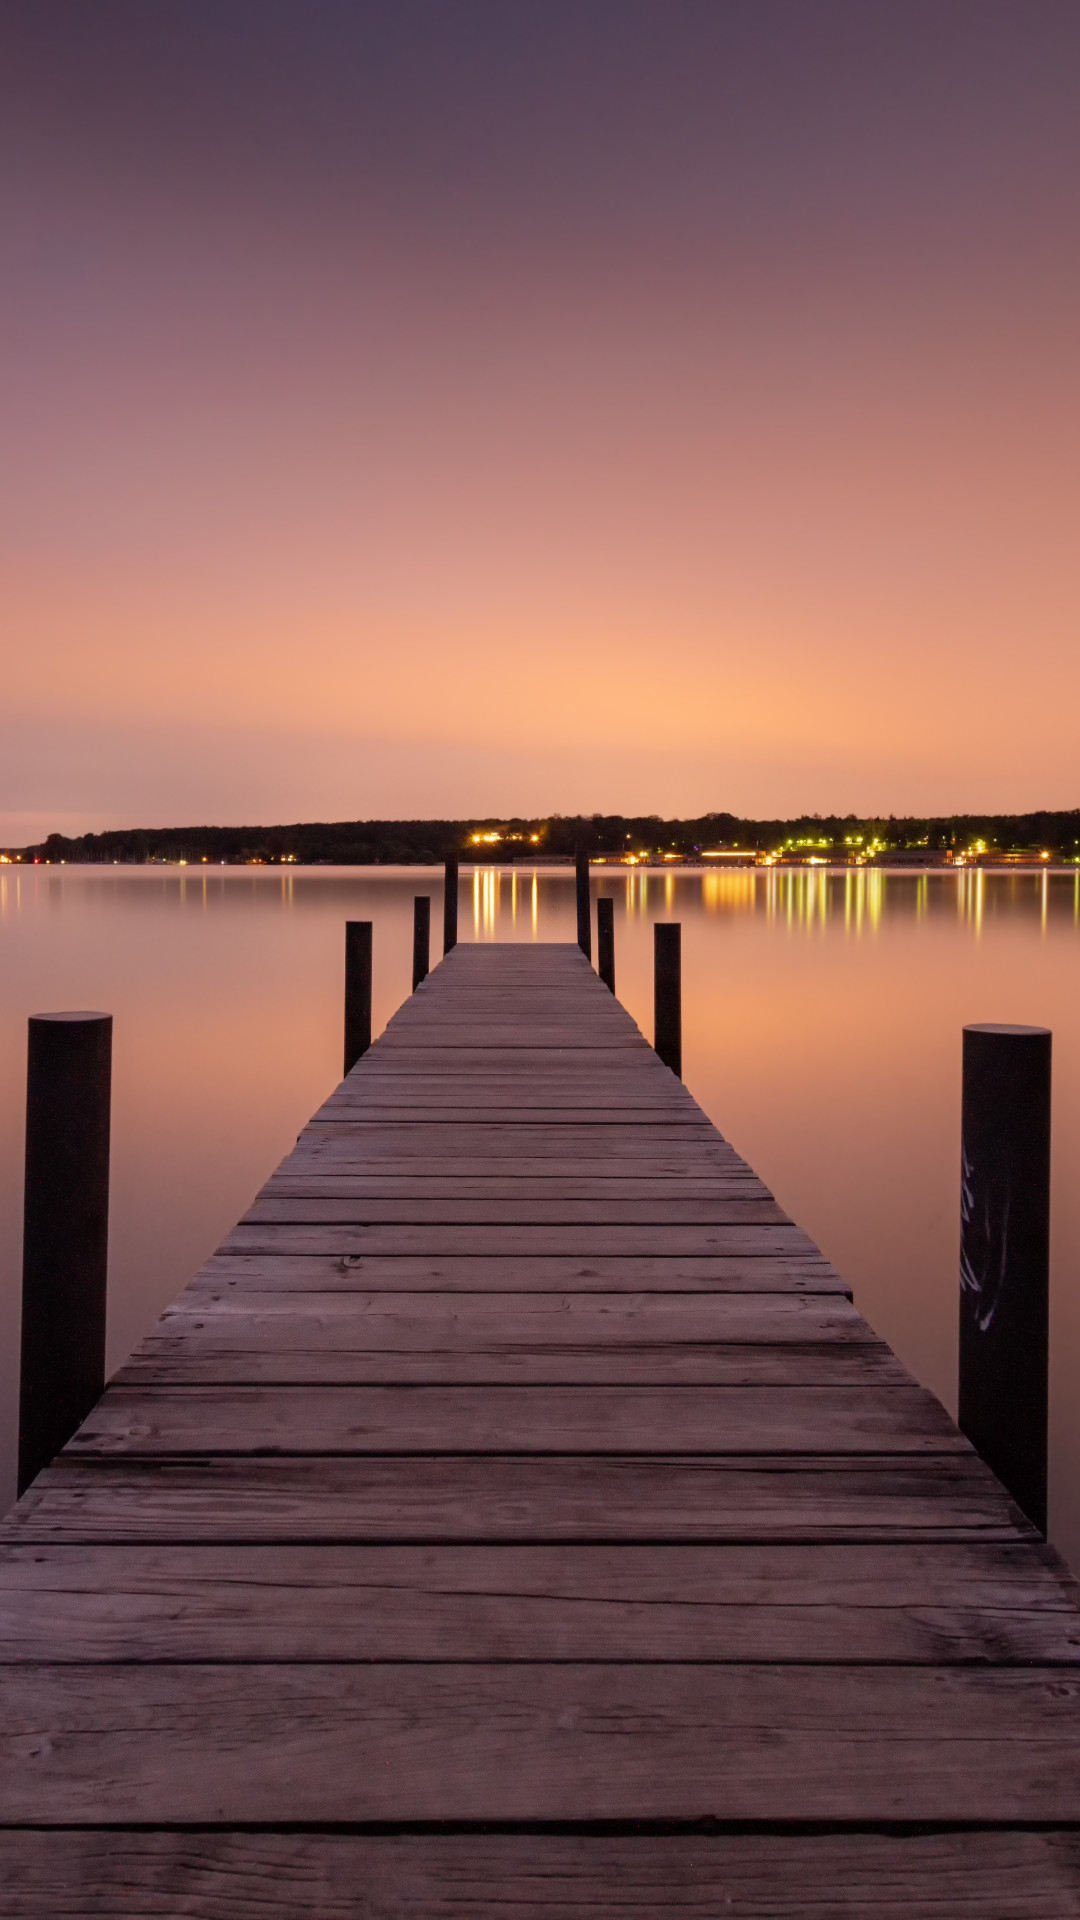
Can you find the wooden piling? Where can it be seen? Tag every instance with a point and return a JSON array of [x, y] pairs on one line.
[[1005, 1256], [421, 944], [605, 941], [65, 1231], [357, 990], [450, 904], [667, 993], [584, 906]]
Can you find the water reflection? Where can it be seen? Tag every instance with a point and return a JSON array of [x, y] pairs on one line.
[[822, 1018]]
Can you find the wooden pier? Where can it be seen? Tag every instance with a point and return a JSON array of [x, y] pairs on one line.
[[516, 1518]]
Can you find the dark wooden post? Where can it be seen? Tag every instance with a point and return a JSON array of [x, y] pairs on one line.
[[357, 990], [584, 911], [1005, 1256], [450, 905], [667, 993], [605, 942], [65, 1231], [421, 939]]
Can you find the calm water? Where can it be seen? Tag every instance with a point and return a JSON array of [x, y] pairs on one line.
[[822, 1018]]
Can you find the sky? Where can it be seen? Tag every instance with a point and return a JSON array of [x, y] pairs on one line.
[[480, 407]]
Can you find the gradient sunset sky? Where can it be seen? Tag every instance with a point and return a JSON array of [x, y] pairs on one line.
[[486, 406]]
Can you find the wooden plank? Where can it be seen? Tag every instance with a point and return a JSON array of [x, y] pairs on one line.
[[535, 1211], [541, 1090], [418, 1498], [976, 1875], [315, 1183], [1001, 1604], [356, 1169], [613, 1143], [485, 1032], [420, 1100], [581, 1321], [582, 1243], [278, 1743], [894, 1419], [252, 1337], [604, 1054], [267, 1350], [488, 1113], [801, 1274]]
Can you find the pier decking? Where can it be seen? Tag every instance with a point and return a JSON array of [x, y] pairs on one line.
[[516, 1517]]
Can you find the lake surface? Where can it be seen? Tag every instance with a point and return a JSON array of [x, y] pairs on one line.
[[822, 1019]]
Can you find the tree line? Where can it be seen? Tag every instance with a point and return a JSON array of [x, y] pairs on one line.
[[425, 842]]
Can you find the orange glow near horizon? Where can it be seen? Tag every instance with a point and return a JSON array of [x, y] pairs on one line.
[[754, 497]]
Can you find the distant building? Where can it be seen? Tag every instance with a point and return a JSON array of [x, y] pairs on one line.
[[805, 857], [913, 857], [1008, 857]]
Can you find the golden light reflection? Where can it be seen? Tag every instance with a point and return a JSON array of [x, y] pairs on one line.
[[491, 902], [875, 897]]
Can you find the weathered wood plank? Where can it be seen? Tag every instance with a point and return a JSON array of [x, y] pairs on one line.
[[457, 1032], [977, 1875], [466, 1179], [563, 1093], [535, 1211], [735, 1339], [800, 1274], [614, 1143], [264, 1352], [473, 1179], [414, 1055], [895, 1419], [589, 1321], [509, 1242], [418, 1498], [271, 1744], [991, 1604], [490, 1113]]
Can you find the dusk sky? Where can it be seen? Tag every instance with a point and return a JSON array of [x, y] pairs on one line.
[[482, 406]]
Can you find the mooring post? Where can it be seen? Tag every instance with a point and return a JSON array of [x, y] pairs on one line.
[[421, 939], [65, 1231], [667, 993], [450, 904], [357, 990], [1005, 1256], [605, 941], [584, 908]]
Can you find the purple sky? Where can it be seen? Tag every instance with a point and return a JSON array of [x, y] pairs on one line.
[[440, 407]]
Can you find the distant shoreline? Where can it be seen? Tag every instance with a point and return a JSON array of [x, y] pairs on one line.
[[538, 868], [716, 840]]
